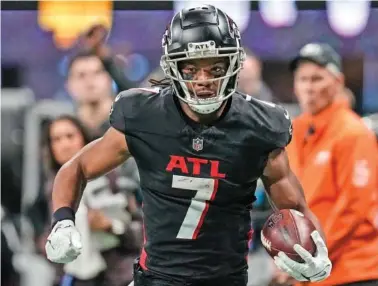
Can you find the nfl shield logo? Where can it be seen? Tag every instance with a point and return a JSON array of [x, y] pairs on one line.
[[197, 144]]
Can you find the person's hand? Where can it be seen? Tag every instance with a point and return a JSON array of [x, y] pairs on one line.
[[315, 268], [64, 242], [95, 40], [98, 220]]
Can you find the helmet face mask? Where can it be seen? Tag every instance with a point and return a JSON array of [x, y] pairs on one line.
[[222, 42]]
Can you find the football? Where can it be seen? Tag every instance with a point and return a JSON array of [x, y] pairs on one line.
[[285, 228]]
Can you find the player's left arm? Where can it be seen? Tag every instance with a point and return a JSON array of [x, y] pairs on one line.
[[285, 192], [283, 187]]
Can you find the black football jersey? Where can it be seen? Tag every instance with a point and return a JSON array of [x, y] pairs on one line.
[[197, 181]]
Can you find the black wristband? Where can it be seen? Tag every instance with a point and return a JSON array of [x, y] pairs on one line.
[[62, 214]]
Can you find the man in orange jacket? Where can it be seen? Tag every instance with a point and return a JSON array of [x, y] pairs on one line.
[[334, 155]]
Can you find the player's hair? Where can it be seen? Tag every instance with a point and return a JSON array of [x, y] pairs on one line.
[[165, 82], [51, 163], [82, 54]]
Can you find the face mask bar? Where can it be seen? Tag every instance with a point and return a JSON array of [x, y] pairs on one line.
[[170, 63]]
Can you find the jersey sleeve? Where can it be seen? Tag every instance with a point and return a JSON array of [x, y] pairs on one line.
[[130, 107], [275, 123], [117, 118], [284, 125], [126, 109]]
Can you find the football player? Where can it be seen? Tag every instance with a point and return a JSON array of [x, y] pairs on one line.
[[200, 147]]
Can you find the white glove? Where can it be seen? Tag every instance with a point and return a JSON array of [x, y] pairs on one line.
[[64, 242], [315, 268]]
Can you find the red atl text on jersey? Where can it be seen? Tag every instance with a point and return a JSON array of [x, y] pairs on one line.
[[182, 163]]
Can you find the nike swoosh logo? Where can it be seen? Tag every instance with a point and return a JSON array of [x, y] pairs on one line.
[[286, 114], [320, 274]]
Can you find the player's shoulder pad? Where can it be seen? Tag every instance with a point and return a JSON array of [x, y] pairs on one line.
[[135, 95], [273, 119], [128, 104], [132, 99]]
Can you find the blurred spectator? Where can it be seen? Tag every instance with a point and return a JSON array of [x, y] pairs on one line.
[[91, 88], [108, 217], [331, 141], [250, 80], [89, 80]]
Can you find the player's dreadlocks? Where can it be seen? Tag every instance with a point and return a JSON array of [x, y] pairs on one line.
[[165, 82]]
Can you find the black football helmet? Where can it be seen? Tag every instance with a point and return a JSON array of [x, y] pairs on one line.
[[202, 32]]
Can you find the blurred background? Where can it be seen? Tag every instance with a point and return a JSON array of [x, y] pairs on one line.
[[71, 58]]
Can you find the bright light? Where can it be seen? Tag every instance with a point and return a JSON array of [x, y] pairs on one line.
[[278, 13], [348, 18], [68, 19], [238, 11]]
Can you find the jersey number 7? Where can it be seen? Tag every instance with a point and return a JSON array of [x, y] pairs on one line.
[[206, 189]]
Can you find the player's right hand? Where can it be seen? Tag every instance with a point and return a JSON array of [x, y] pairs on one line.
[[64, 242]]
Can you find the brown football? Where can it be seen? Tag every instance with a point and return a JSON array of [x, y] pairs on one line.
[[285, 228]]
